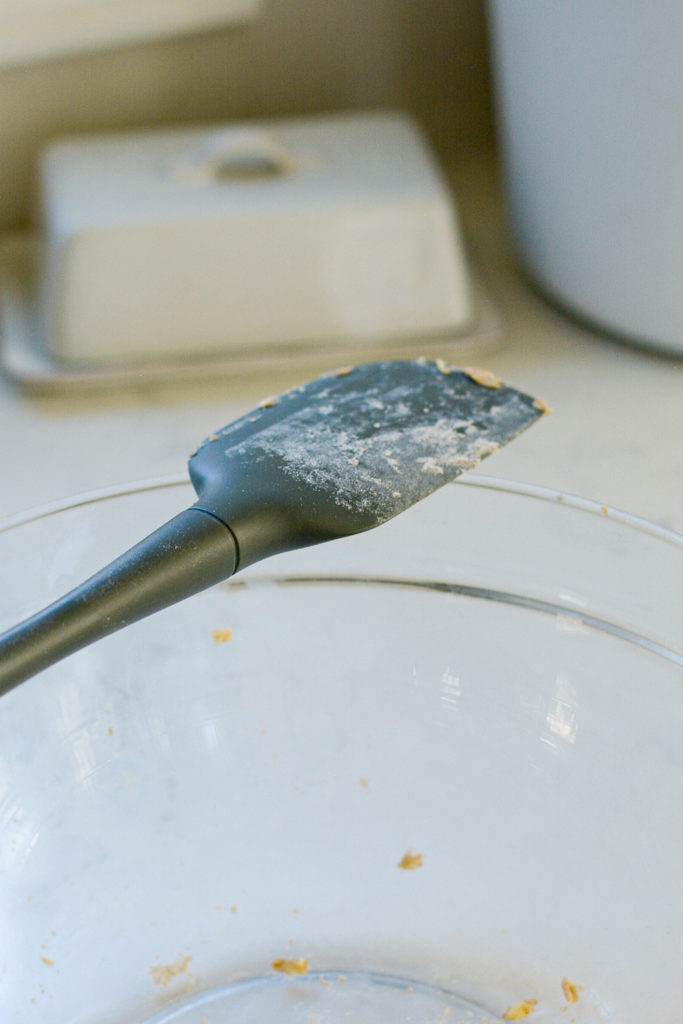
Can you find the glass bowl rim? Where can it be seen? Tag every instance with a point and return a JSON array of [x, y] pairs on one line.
[[478, 480]]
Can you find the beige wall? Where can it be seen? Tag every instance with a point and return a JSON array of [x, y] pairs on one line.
[[427, 56]]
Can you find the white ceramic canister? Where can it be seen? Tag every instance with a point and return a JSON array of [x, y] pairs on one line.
[[590, 106]]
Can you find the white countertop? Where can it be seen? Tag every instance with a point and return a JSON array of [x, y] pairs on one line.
[[615, 434]]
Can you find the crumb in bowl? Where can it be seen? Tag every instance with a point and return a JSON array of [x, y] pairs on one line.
[[222, 636], [410, 861], [164, 974], [292, 968], [571, 991], [520, 1011]]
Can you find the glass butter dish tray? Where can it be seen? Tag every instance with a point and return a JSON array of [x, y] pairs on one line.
[[26, 362]]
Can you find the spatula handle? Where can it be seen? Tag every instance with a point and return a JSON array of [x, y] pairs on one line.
[[191, 552]]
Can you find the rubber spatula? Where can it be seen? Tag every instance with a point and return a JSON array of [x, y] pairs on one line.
[[331, 458]]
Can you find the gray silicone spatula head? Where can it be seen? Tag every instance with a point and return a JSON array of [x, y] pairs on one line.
[[329, 459], [351, 450]]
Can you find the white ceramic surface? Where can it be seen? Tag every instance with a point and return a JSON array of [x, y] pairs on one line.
[[590, 103], [179, 814]]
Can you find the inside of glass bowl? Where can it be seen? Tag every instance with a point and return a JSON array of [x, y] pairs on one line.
[[462, 804]]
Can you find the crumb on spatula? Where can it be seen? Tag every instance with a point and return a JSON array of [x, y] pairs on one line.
[[486, 378]]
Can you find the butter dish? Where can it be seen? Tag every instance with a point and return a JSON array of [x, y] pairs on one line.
[[234, 239]]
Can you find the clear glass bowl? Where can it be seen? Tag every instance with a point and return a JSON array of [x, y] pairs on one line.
[[431, 773]]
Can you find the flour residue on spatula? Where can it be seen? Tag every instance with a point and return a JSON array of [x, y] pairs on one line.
[[382, 449]]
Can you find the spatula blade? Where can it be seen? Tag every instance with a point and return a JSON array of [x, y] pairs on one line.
[[354, 448]]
